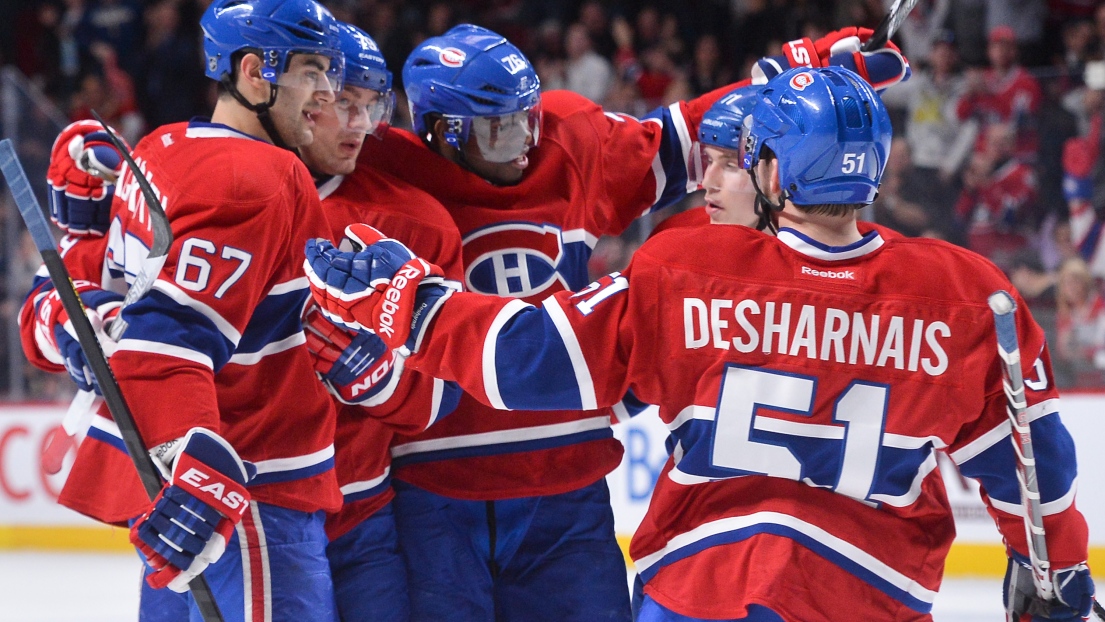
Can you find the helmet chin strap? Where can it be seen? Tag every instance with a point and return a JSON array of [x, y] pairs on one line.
[[764, 208], [261, 110]]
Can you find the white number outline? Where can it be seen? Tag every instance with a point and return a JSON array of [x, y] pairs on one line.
[[601, 292], [861, 407], [852, 162], [189, 259]]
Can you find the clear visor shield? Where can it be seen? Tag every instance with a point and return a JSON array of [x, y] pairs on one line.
[[507, 137], [696, 164], [312, 72], [364, 110]]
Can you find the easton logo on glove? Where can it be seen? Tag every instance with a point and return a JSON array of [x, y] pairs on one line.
[[206, 482]]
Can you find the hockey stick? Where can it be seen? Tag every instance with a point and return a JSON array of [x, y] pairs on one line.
[[1003, 307], [39, 229], [889, 25], [74, 423]]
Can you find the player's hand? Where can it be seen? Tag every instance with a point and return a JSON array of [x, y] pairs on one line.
[[377, 287], [356, 366], [191, 520], [1074, 592], [84, 165], [881, 68], [57, 339]]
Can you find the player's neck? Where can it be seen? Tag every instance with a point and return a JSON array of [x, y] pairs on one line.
[[829, 230], [232, 114]]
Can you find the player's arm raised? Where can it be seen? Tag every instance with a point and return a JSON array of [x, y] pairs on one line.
[[644, 162]]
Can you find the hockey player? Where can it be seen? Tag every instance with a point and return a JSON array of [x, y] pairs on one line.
[[373, 396], [532, 180], [807, 379], [715, 166], [213, 362]]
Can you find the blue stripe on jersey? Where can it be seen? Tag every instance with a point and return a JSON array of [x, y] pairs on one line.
[[278, 477], [105, 437], [573, 265], [633, 405], [821, 458], [671, 157], [369, 492], [822, 549], [158, 318], [1055, 468], [534, 373], [1089, 243], [503, 448], [277, 317]]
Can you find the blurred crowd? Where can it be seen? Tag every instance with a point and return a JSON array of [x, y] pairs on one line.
[[998, 133]]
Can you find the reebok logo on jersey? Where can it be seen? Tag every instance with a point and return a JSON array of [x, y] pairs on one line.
[[830, 274]]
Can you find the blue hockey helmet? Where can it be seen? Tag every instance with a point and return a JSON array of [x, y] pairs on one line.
[[476, 80], [829, 130], [721, 127], [272, 28], [364, 69]]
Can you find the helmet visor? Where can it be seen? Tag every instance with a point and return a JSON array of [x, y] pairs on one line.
[[313, 71], [502, 138], [364, 110]]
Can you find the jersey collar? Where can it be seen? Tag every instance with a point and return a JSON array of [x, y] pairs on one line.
[[810, 247], [328, 187], [200, 127]]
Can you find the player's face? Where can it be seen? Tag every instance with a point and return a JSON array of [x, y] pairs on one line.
[[730, 197], [498, 173], [339, 137], [304, 88]]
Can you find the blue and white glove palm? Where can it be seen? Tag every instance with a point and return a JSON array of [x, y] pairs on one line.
[[1074, 593]]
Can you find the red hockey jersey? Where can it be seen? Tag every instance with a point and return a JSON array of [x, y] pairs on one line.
[[592, 174], [806, 400], [217, 342], [364, 434]]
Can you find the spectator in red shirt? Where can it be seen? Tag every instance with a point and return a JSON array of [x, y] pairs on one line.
[[999, 192], [1004, 93]]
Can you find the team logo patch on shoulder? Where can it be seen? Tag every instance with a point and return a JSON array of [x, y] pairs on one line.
[[451, 57], [800, 81]]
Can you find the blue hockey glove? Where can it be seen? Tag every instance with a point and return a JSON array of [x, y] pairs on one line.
[[383, 288], [190, 522], [356, 366], [881, 68], [84, 166], [1074, 592], [57, 339]]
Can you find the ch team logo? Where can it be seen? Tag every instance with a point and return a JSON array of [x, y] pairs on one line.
[[451, 57], [800, 81], [516, 260]]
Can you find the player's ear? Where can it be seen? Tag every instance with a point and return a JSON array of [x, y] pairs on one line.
[[773, 177], [437, 140], [249, 77]]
